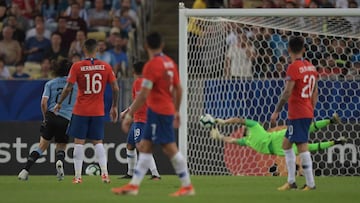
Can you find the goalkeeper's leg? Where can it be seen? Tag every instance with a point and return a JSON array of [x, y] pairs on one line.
[[335, 119]]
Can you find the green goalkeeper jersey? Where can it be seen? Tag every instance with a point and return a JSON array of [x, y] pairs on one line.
[[260, 140]]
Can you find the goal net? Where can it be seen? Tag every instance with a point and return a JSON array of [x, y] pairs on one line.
[[232, 64]]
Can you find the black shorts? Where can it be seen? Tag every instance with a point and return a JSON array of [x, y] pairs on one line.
[[54, 126]]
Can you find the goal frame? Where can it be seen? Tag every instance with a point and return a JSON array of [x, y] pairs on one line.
[[185, 14]]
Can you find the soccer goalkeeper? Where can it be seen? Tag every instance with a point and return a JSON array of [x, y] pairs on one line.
[[270, 141]]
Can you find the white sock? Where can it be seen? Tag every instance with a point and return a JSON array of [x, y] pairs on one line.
[[153, 168], [141, 168], [181, 169], [101, 157], [131, 157], [306, 163], [290, 164], [78, 155]]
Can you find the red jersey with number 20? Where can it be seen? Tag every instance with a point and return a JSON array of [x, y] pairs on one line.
[[140, 114], [162, 71], [305, 76], [91, 75]]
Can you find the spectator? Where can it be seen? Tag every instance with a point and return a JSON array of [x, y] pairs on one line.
[[23, 23], [3, 9], [36, 47], [75, 57], [82, 11], [4, 71], [116, 5], [104, 55], [126, 5], [66, 34], [239, 58], [354, 21], [126, 23], [76, 45], [56, 52], [75, 22], [50, 12], [341, 4], [18, 35], [354, 72], [26, 7], [114, 33], [39, 29], [236, 3], [19, 72], [10, 49], [45, 72], [121, 58], [99, 18]]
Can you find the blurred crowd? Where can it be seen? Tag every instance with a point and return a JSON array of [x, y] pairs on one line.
[[35, 32], [259, 52]]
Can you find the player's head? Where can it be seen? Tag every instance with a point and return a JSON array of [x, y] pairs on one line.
[[90, 46], [296, 45], [61, 68], [138, 67], [154, 41]]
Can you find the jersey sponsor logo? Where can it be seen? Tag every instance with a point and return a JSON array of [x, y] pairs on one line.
[[91, 68]]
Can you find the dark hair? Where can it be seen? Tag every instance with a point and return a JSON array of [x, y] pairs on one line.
[[138, 67], [90, 45], [154, 40], [61, 68], [296, 44]]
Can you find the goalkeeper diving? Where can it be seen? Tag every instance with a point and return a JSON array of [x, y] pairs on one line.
[[270, 142]]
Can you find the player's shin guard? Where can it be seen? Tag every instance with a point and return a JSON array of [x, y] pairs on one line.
[[101, 157], [307, 168], [78, 155], [34, 155], [131, 157], [141, 168], [290, 164], [181, 169], [60, 155]]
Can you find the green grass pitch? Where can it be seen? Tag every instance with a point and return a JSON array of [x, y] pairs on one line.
[[216, 189]]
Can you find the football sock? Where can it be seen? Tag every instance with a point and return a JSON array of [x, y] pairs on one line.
[[319, 146], [153, 168], [290, 164], [131, 157], [319, 124], [101, 156], [141, 168], [181, 169], [60, 155], [34, 155], [78, 155], [306, 162]]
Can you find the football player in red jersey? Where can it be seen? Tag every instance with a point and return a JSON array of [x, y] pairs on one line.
[[301, 93], [87, 121], [162, 92]]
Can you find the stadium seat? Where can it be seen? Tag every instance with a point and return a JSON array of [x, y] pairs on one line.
[[99, 35]]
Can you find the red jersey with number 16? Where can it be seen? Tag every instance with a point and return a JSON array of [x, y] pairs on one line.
[[140, 114], [91, 76], [305, 76], [162, 71]]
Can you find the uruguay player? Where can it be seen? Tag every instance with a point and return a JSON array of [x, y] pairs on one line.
[[53, 125]]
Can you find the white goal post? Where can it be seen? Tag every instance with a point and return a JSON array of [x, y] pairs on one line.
[[217, 82]]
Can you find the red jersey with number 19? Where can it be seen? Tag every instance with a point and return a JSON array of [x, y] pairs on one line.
[[91, 76], [162, 71], [140, 114], [305, 76]]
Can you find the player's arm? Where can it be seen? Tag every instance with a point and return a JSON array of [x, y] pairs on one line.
[[115, 94], [315, 95], [289, 86], [66, 91], [177, 96], [44, 106]]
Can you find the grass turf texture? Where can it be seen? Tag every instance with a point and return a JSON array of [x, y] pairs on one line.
[[209, 189]]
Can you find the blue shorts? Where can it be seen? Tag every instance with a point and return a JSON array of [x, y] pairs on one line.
[[298, 130], [159, 128], [86, 127], [136, 133]]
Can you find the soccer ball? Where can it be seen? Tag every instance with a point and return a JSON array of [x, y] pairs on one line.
[[207, 121], [93, 170]]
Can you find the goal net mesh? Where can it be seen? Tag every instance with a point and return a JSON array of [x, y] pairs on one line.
[[236, 67]]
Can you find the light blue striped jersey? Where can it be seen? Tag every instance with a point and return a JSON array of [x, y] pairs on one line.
[[53, 89]]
